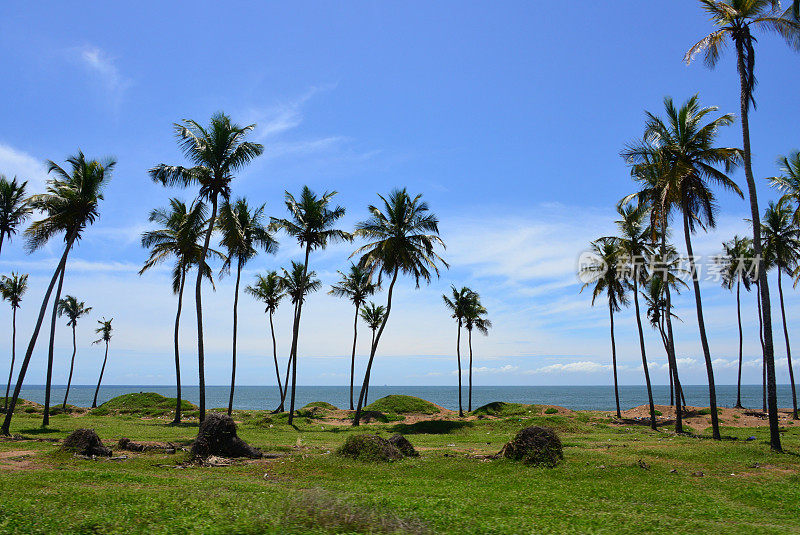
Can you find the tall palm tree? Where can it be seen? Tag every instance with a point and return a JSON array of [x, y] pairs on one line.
[[180, 236], [735, 21], [70, 204], [734, 262], [310, 222], [356, 286], [216, 153], [474, 319], [402, 235], [268, 290], [604, 271], [105, 336], [73, 309], [782, 249], [372, 315], [788, 183], [243, 235], [457, 304], [12, 289], [14, 207]]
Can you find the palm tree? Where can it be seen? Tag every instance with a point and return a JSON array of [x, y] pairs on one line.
[[14, 207], [268, 290], [12, 289], [310, 222], [474, 319], [179, 236], [458, 305], [782, 249], [735, 20], [69, 206], [402, 236], [73, 309], [243, 234], [217, 152], [604, 271], [356, 286], [372, 315], [105, 336], [734, 262]]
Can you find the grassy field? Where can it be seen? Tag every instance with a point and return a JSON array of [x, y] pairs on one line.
[[614, 479]]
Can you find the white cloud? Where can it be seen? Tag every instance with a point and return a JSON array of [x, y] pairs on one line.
[[102, 66], [584, 366], [18, 163]]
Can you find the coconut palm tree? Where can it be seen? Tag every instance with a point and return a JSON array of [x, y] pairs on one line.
[[243, 235], [268, 290], [654, 296], [12, 289], [105, 336], [70, 204], [372, 315], [14, 207], [788, 183], [734, 262], [457, 304], [604, 270], [356, 286], [736, 21], [402, 235], [474, 319], [310, 222], [216, 153], [73, 309], [782, 250], [179, 236]]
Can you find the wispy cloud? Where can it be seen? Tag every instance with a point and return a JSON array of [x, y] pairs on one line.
[[104, 69], [279, 118], [583, 366], [14, 162]]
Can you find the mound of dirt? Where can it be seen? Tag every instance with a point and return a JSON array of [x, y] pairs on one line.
[[217, 436], [85, 442], [402, 443], [129, 445], [368, 447], [537, 446]]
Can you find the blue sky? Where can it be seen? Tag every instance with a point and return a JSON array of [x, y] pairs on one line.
[[508, 118]]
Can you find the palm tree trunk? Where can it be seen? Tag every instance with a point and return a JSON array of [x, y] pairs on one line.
[[669, 363], [295, 335], [281, 407], [763, 352], [739, 318], [5, 429], [275, 355], [670, 336], [712, 392], [769, 355], [353, 357], [235, 325], [13, 354], [366, 392], [357, 418], [49, 378], [100, 380], [641, 346], [458, 356], [2, 236], [177, 418], [199, 304], [788, 349], [71, 368], [614, 360], [469, 397]]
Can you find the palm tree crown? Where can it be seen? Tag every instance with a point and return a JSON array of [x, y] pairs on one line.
[[781, 237], [73, 309], [736, 262], [373, 315], [297, 284], [355, 285], [13, 288], [311, 219], [788, 182], [104, 330], [604, 272], [267, 289], [474, 315], [243, 232], [14, 207], [459, 302]]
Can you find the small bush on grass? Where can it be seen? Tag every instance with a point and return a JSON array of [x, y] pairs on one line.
[[400, 404], [322, 405], [369, 447], [536, 446], [551, 410]]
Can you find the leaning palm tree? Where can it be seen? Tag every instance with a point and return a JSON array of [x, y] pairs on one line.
[[14, 207], [105, 336], [782, 249], [73, 310], [403, 235], [70, 204], [243, 235], [474, 319], [356, 286], [12, 289], [734, 262], [179, 236], [268, 290], [216, 153], [310, 222], [372, 315], [735, 21], [604, 271], [457, 304]]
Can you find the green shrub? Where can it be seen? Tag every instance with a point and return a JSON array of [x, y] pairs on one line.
[[321, 405], [141, 404], [401, 404], [369, 447], [551, 410]]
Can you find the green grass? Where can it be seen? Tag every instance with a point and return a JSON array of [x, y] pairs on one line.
[[400, 404], [321, 405], [143, 404]]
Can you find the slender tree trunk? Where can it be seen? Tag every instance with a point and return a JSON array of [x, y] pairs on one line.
[[712, 391], [49, 378], [71, 368], [763, 352], [788, 349], [366, 392], [353, 357], [670, 336], [235, 326], [6, 428], [642, 347], [281, 408], [2, 236], [275, 356], [295, 336], [199, 305], [177, 418], [469, 397], [13, 354], [458, 356], [614, 359], [769, 355], [739, 318], [357, 418], [100, 380]]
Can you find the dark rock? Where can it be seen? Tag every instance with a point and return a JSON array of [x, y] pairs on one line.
[[129, 445], [85, 442], [537, 446], [402, 443], [368, 447], [217, 436]]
